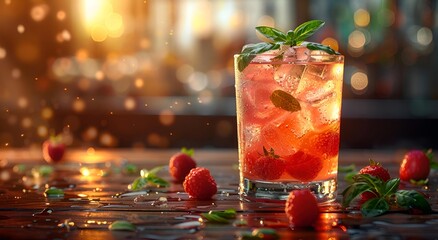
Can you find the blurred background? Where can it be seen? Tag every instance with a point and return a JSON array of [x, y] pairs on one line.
[[159, 73]]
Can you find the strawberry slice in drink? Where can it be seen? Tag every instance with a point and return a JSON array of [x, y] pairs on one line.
[[303, 166]]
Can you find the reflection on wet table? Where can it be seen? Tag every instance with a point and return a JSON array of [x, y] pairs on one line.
[[96, 193]]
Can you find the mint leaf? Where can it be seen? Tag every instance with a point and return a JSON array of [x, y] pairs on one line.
[[353, 191], [122, 225], [139, 183], [272, 33], [318, 46], [279, 38], [412, 199], [152, 178], [250, 50], [214, 218], [374, 207], [285, 101], [307, 29], [391, 186], [54, 192], [430, 156]]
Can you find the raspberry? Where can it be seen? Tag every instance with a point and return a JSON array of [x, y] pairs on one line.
[[200, 184], [303, 166], [365, 196], [180, 165], [301, 208]]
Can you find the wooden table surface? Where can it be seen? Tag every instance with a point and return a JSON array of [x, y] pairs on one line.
[[97, 194]]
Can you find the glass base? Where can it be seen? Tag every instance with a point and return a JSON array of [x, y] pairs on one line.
[[253, 190]]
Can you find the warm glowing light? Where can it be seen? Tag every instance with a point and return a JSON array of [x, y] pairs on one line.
[[139, 83], [359, 81], [130, 103], [167, 117], [78, 105], [2, 53], [47, 113], [101, 21], [91, 151], [38, 13], [20, 28], [106, 139], [85, 171], [26, 122], [332, 43], [16, 73], [362, 18], [90, 134], [22, 102], [42, 131], [357, 39], [99, 33], [60, 15]]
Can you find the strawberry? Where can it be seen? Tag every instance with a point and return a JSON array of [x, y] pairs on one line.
[[415, 166], [269, 166], [376, 170], [303, 166], [180, 164], [200, 184], [326, 143], [53, 149], [301, 208]]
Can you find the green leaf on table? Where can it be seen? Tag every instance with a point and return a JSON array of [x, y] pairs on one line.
[[154, 179], [374, 207], [122, 225], [353, 191], [220, 216], [285, 101], [391, 186], [412, 199], [54, 192], [139, 183], [430, 156], [347, 169]]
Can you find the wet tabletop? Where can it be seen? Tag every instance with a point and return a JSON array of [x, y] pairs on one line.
[[96, 194]]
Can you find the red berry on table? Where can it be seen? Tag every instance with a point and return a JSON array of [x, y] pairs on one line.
[[301, 208], [200, 184], [180, 164], [415, 166], [53, 149], [376, 170], [303, 166], [365, 196], [268, 166]]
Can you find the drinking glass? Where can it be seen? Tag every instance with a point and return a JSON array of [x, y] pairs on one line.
[[288, 121]]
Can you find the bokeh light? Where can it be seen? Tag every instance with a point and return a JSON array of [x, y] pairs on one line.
[[361, 18]]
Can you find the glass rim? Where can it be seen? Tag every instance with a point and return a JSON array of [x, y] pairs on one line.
[[312, 58]]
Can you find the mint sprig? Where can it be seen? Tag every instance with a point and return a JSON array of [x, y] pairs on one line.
[[279, 38], [220, 216], [387, 194], [147, 178]]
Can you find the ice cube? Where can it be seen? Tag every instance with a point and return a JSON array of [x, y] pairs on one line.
[[313, 86], [288, 76], [297, 54], [284, 132]]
